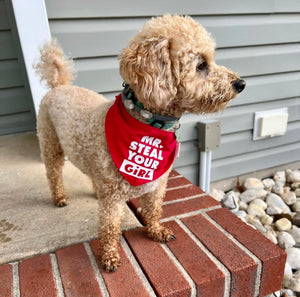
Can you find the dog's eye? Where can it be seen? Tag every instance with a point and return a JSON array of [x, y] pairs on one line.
[[201, 67]]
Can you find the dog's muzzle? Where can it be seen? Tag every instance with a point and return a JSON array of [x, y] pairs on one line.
[[239, 85]]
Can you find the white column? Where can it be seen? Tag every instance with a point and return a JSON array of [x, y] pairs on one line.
[[33, 29]]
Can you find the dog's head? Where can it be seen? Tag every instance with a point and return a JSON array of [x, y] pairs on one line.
[[170, 66]]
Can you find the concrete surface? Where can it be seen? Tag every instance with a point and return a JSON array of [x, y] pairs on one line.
[[29, 222]]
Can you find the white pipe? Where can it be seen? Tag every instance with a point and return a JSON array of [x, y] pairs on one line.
[[205, 170], [208, 171], [209, 132]]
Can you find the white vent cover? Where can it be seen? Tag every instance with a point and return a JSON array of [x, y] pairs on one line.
[[270, 123]]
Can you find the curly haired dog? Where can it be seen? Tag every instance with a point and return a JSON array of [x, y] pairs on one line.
[[169, 69]]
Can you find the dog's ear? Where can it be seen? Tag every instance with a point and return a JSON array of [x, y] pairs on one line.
[[147, 67]]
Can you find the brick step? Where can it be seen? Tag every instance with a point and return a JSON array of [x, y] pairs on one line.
[[214, 254]]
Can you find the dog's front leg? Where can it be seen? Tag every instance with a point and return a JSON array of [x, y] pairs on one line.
[[111, 213], [151, 204]]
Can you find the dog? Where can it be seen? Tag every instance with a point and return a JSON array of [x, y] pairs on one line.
[[168, 69]]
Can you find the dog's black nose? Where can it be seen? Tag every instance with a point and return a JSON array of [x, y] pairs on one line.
[[239, 85]]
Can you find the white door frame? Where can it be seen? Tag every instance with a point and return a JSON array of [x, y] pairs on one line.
[[33, 29]]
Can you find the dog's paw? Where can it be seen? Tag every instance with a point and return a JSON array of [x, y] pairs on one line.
[[110, 263], [161, 234], [61, 201]]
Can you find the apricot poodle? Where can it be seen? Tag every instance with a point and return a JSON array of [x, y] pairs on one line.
[[127, 147]]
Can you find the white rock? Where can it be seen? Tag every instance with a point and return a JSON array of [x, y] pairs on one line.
[[278, 188], [272, 210], [259, 202], [240, 213], [292, 282], [243, 205], [255, 210], [253, 183], [287, 269], [271, 235], [286, 280], [217, 194], [256, 223], [297, 192], [251, 194], [285, 240], [279, 176], [293, 257], [250, 225], [284, 293], [295, 185], [296, 219], [269, 227], [283, 224], [292, 176], [295, 232], [231, 200], [276, 205], [268, 183], [289, 197], [243, 220], [266, 220], [296, 206]]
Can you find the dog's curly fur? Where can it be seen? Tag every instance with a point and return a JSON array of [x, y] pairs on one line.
[[170, 67]]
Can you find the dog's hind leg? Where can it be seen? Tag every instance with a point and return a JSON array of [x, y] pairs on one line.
[[111, 213], [53, 157], [95, 187]]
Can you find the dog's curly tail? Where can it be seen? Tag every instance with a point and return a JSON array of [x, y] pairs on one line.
[[54, 67]]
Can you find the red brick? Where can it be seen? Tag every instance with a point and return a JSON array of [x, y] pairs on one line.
[[178, 208], [241, 266], [6, 281], [273, 257], [134, 204], [209, 279], [123, 282], [36, 276], [184, 192], [178, 182], [173, 195], [162, 273], [174, 173], [76, 271]]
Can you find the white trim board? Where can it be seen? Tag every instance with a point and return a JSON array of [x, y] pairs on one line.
[[33, 29]]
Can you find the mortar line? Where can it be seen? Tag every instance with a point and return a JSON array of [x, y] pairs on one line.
[[174, 177], [57, 276], [219, 264], [16, 279], [243, 248], [96, 269], [179, 187], [190, 214], [137, 267], [181, 269]]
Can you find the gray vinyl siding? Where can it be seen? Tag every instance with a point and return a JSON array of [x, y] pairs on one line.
[[16, 108], [258, 39]]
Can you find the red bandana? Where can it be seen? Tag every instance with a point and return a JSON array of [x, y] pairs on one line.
[[142, 153]]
